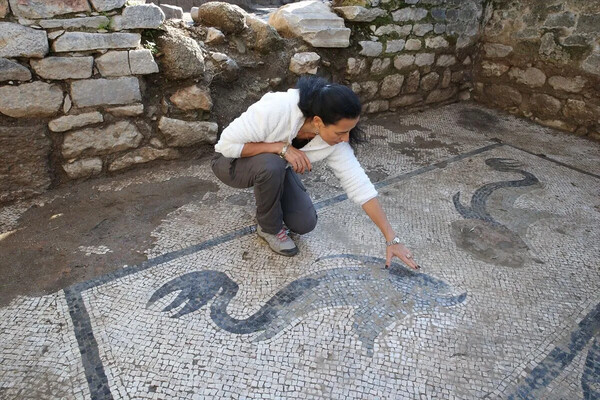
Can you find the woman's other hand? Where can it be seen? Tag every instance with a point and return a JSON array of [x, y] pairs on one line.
[[298, 160], [400, 251]]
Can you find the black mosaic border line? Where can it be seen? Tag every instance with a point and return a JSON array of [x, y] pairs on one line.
[[88, 346]]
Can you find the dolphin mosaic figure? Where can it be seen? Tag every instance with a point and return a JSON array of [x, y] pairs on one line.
[[379, 296]]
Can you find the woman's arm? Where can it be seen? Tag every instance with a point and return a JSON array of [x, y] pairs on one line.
[[253, 149], [377, 215], [295, 157]]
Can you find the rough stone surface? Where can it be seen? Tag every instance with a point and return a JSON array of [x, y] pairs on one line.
[[394, 46], [68, 122], [47, 8], [305, 63], [422, 29], [83, 168], [20, 41], [406, 100], [228, 18], [141, 156], [412, 82], [446, 78], [592, 63], [214, 36], [82, 41], [59, 68], [496, 50], [182, 56], [141, 62], [261, 36], [127, 111], [531, 76], [83, 22], [422, 59], [391, 86], [113, 63], [224, 67], [437, 42], [107, 5], [95, 92], [380, 65], [13, 71], [113, 138], [430, 81], [370, 49], [313, 21], [192, 98], [440, 95], [403, 61], [356, 66], [562, 20], [544, 105], [409, 14], [492, 69], [143, 16], [589, 23], [580, 111], [400, 30], [413, 44], [366, 90], [446, 60], [376, 106], [503, 95], [359, 14], [171, 12], [36, 99], [24, 170], [180, 133], [4, 8], [572, 85]]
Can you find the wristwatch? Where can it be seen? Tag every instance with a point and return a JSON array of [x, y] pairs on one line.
[[395, 240], [284, 150]]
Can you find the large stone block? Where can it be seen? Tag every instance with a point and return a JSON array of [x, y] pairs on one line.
[[13, 71], [36, 99], [413, 45], [182, 56], [531, 76], [496, 50], [114, 63], [440, 95], [180, 133], [95, 92], [68, 122], [141, 62], [391, 86], [492, 69], [572, 85], [359, 14], [312, 21], [422, 29], [4, 8], [228, 18], [82, 41], [430, 81], [544, 105], [120, 136], [370, 49], [261, 36], [141, 156], [83, 168], [409, 14], [19, 41], [84, 22], [143, 16], [171, 12], [192, 98], [63, 67], [503, 95], [404, 61], [423, 59], [47, 8], [436, 42], [394, 46], [107, 5], [305, 63], [24, 170]]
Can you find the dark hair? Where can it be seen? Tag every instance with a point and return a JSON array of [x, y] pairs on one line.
[[331, 102]]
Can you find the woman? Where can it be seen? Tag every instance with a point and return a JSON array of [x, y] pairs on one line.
[[284, 133]]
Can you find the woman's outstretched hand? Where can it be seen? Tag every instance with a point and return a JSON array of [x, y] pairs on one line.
[[400, 251], [298, 160]]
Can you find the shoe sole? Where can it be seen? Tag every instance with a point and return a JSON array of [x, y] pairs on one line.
[[287, 253]]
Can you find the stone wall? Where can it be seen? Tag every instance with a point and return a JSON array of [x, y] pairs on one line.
[[541, 59]]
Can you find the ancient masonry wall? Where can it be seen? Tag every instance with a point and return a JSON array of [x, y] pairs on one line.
[[541, 59], [89, 88]]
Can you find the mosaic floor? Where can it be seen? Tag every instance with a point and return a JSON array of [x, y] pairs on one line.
[[502, 215]]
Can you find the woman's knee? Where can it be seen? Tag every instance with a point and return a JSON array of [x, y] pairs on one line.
[[302, 223], [270, 166]]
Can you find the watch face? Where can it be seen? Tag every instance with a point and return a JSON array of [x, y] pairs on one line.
[[396, 240]]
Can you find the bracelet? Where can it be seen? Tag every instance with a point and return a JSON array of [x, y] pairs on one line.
[[395, 240], [284, 150]]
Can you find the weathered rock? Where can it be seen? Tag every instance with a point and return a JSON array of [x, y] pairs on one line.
[[496, 50], [413, 44], [589, 23], [54, 34], [4, 8], [143, 16], [556, 124], [366, 90], [544, 105], [380, 65], [192, 98], [223, 67], [182, 56], [592, 63], [47, 8], [95, 92], [580, 111], [127, 111], [141, 62], [562, 20], [141, 156], [533, 77], [391, 86], [376, 106], [503, 95], [24, 170], [370, 49], [439, 29], [228, 18], [422, 59], [180, 133], [400, 30], [403, 61], [446, 78], [313, 21], [437, 42], [20, 41], [446, 60], [406, 100], [261, 36], [84, 22], [120, 136], [13, 71], [36, 99], [572, 85], [113, 63], [409, 14], [489, 68], [394, 46], [422, 29], [58, 68], [83, 168], [305, 63], [440, 95], [67, 104], [430, 81], [412, 82], [68, 122], [171, 12], [464, 95], [356, 66], [358, 13], [107, 5], [82, 41], [214, 36]]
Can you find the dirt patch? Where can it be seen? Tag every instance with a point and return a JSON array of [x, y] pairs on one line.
[[391, 122], [422, 147], [478, 120], [87, 234]]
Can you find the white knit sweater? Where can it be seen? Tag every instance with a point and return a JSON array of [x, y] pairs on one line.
[[276, 117]]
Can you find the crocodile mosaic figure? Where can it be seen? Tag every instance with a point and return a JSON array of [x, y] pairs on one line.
[[379, 296]]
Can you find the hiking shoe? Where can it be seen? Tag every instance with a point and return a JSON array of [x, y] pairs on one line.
[[280, 243]]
